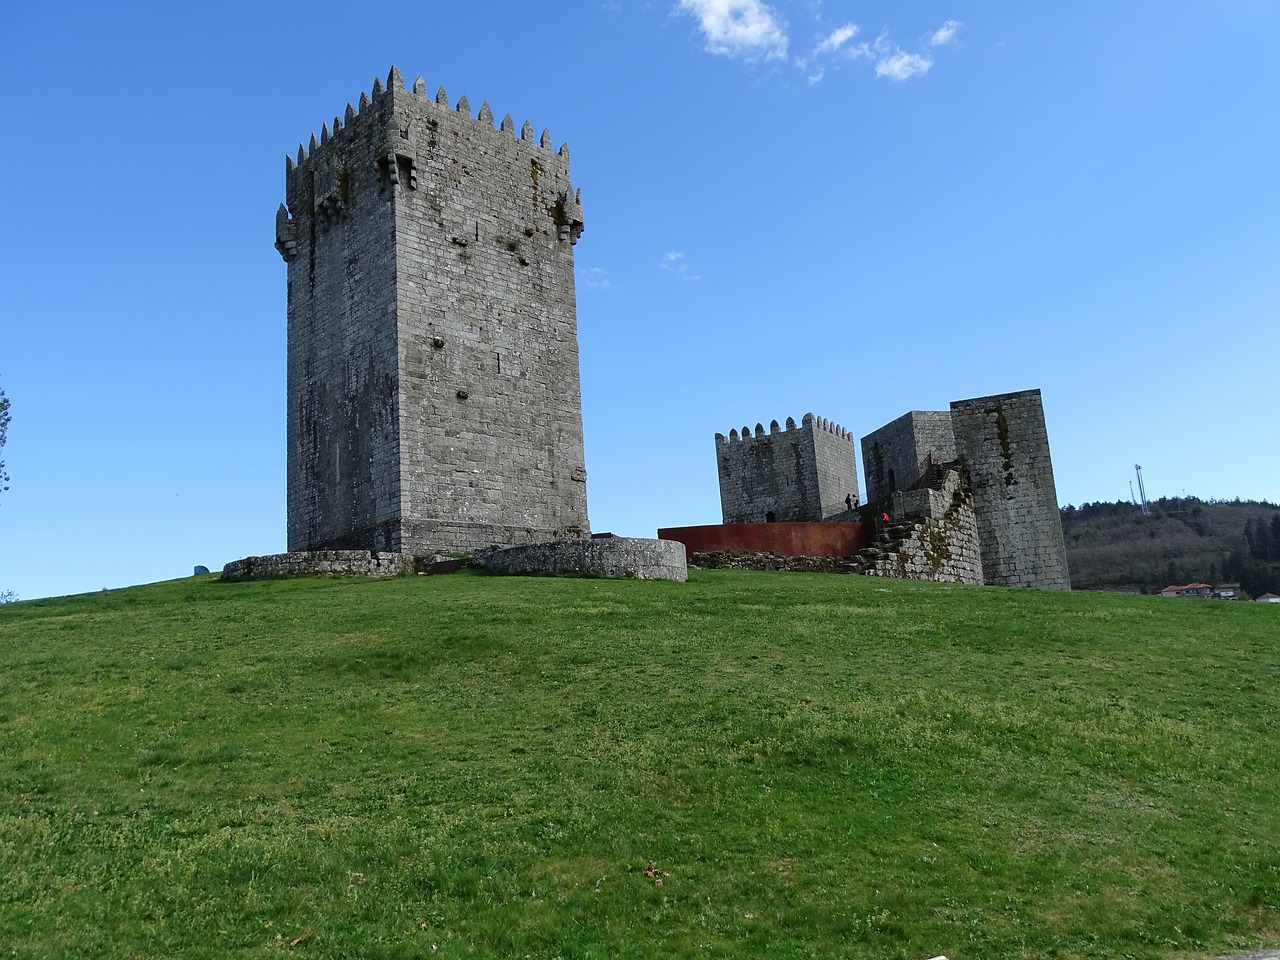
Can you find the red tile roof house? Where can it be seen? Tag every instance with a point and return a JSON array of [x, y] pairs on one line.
[[1267, 598], [1190, 590]]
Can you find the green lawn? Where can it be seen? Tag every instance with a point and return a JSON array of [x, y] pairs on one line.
[[746, 765]]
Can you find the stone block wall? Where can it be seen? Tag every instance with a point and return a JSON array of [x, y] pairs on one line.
[[631, 557], [800, 473], [1005, 445], [319, 563], [933, 536], [892, 456], [434, 398]]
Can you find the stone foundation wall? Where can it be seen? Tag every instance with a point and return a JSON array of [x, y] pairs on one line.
[[725, 560], [635, 557], [319, 563]]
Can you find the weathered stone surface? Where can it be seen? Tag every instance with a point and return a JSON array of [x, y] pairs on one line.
[[319, 563], [802, 473], [892, 457], [1005, 445], [720, 560], [934, 536], [433, 386], [635, 557]]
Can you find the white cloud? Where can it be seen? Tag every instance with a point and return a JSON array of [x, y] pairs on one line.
[[816, 78], [744, 28], [945, 34], [597, 279], [673, 261], [903, 66], [838, 38]]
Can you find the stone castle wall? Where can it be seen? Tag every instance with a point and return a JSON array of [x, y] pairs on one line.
[[892, 455], [800, 473], [434, 398], [1005, 445], [934, 536]]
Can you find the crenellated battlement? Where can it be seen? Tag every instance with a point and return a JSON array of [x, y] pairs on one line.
[[396, 136], [807, 422], [395, 86]]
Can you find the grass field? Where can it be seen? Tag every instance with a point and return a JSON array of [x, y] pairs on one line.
[[747, 765]]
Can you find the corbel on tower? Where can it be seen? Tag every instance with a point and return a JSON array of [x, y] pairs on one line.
[[286, 234], [571, 222]]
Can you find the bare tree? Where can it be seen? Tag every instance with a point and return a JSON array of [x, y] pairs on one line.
[[4, 431]]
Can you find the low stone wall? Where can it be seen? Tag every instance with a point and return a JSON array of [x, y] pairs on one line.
[[611, 557], [729, 560], [319, 563]]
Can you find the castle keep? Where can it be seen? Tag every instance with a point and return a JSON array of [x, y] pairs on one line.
[[433, 388]]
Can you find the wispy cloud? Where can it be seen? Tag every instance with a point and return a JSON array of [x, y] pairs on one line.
[[739, 28], [837, 38], [752, 30], [673, 262], [945, 34], [901, 65], [596, 278]]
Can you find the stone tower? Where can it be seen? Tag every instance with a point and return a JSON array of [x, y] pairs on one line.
[[801, 473], [1005, 445], [433, 391]]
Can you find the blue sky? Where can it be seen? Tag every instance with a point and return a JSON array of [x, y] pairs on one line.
[[857, 209]]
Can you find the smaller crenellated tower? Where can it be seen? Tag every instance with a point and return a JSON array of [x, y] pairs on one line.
[[797, 473]]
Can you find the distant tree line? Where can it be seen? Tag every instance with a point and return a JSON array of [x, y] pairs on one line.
[[1114, 546], [1255, 564]]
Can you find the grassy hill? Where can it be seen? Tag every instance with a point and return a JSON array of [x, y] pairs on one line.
[[747, 765], [1113, 546]]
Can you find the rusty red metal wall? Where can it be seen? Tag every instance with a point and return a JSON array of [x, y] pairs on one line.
[[787, 539]]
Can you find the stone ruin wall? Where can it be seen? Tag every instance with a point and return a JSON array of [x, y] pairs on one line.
[[629, 557], [800, 473], [434, 398], [934, 537], [319, 563], [1005, 444]]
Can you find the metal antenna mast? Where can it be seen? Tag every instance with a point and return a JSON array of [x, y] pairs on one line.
[[1142, 490]]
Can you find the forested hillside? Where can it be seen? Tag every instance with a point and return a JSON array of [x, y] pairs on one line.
[[1113, 546]]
